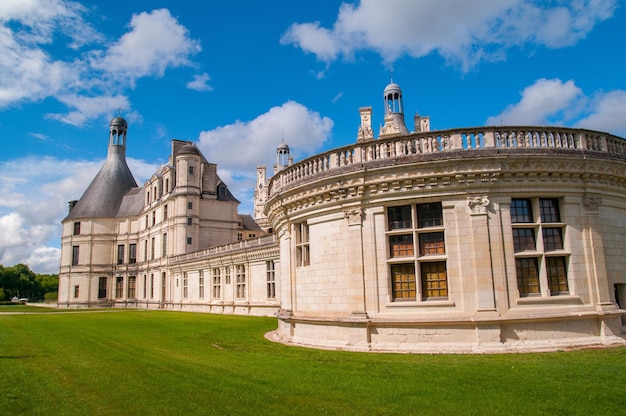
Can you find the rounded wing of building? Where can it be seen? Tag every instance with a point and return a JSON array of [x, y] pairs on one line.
[[485, 239]]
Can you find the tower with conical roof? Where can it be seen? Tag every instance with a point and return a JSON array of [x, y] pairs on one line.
[[394, 112], [88, 243], [103, 196]]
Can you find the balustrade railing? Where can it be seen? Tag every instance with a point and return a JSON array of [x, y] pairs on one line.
[[469, 139], [228, 248]]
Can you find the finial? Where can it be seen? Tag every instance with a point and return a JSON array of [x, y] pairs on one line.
[[119, 111]]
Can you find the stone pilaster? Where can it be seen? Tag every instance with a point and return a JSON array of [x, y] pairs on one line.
[[481, 253]]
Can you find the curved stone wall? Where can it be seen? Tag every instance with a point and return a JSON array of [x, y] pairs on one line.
[[465, 240]]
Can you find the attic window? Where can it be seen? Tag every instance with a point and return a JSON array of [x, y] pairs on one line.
[[221, 192]]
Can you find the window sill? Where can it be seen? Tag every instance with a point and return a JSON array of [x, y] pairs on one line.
[[567, 299], [418, 304]]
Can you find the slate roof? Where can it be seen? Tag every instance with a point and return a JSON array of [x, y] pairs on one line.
[[104, 195]]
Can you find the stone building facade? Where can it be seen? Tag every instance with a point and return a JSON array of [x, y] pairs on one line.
[[487, 239]]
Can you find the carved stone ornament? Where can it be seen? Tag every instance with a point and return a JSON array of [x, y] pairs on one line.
[[478, 204], [591, 203], [354, 217]]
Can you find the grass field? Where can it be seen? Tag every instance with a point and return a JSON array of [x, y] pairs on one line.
[[168, 363]]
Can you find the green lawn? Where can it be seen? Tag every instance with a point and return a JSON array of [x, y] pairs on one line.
[[169, 363]]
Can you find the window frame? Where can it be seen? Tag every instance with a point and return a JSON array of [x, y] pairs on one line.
[[240, 281], [270, 275], [216, 283], [415, 239], [547, 276], [302, 244]]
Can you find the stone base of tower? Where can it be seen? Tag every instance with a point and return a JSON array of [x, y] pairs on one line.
[[460, 336]]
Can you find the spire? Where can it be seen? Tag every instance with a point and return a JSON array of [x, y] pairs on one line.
[[104, 195]]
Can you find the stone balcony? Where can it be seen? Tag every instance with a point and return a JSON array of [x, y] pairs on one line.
[[462, 142]]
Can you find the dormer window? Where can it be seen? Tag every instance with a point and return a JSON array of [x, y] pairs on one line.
[[221, 192]]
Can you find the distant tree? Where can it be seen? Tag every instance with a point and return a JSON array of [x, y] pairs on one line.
[[22, 282], [49, 283]]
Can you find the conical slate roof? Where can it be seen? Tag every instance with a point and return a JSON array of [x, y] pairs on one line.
[[103, 196]]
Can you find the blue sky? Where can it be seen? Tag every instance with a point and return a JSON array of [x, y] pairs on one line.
[[237, 77]]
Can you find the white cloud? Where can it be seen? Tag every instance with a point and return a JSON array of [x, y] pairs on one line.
[[463, 32], [554, 102], [90, 82], [241, 146], [540, 103], [606, 113], [155, 42], [34, 192], [200, 83], [89, 108]]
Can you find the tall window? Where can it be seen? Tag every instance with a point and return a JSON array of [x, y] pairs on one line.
[[145, 250], [201, 284], [217, 283], [151, 286], [152, 248], [417, 252], [189, 221], [145, 286], [164, 246], [76, 291], [132, 284], [102, 287], [77, 228], [271, 279], [75, 255], [132, 253], [190, 205], [240, 281], [165, 209], [302, 245], [163, 285], [120, 254], [119, 287], [227, 275], [540, 257], [185, 285]]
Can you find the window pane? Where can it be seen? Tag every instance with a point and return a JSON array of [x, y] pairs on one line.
[[521, 210], [102, 287], [429, 215], [524, 239], [434, 282], [552, 239], [119, 287], [401, 245], [527, 276], [549, 210], [431, 243], [399, 217], [403, 281], [557, 275]]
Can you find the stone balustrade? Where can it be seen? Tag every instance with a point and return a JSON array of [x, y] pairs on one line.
[[230, 248], [463, 139]]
